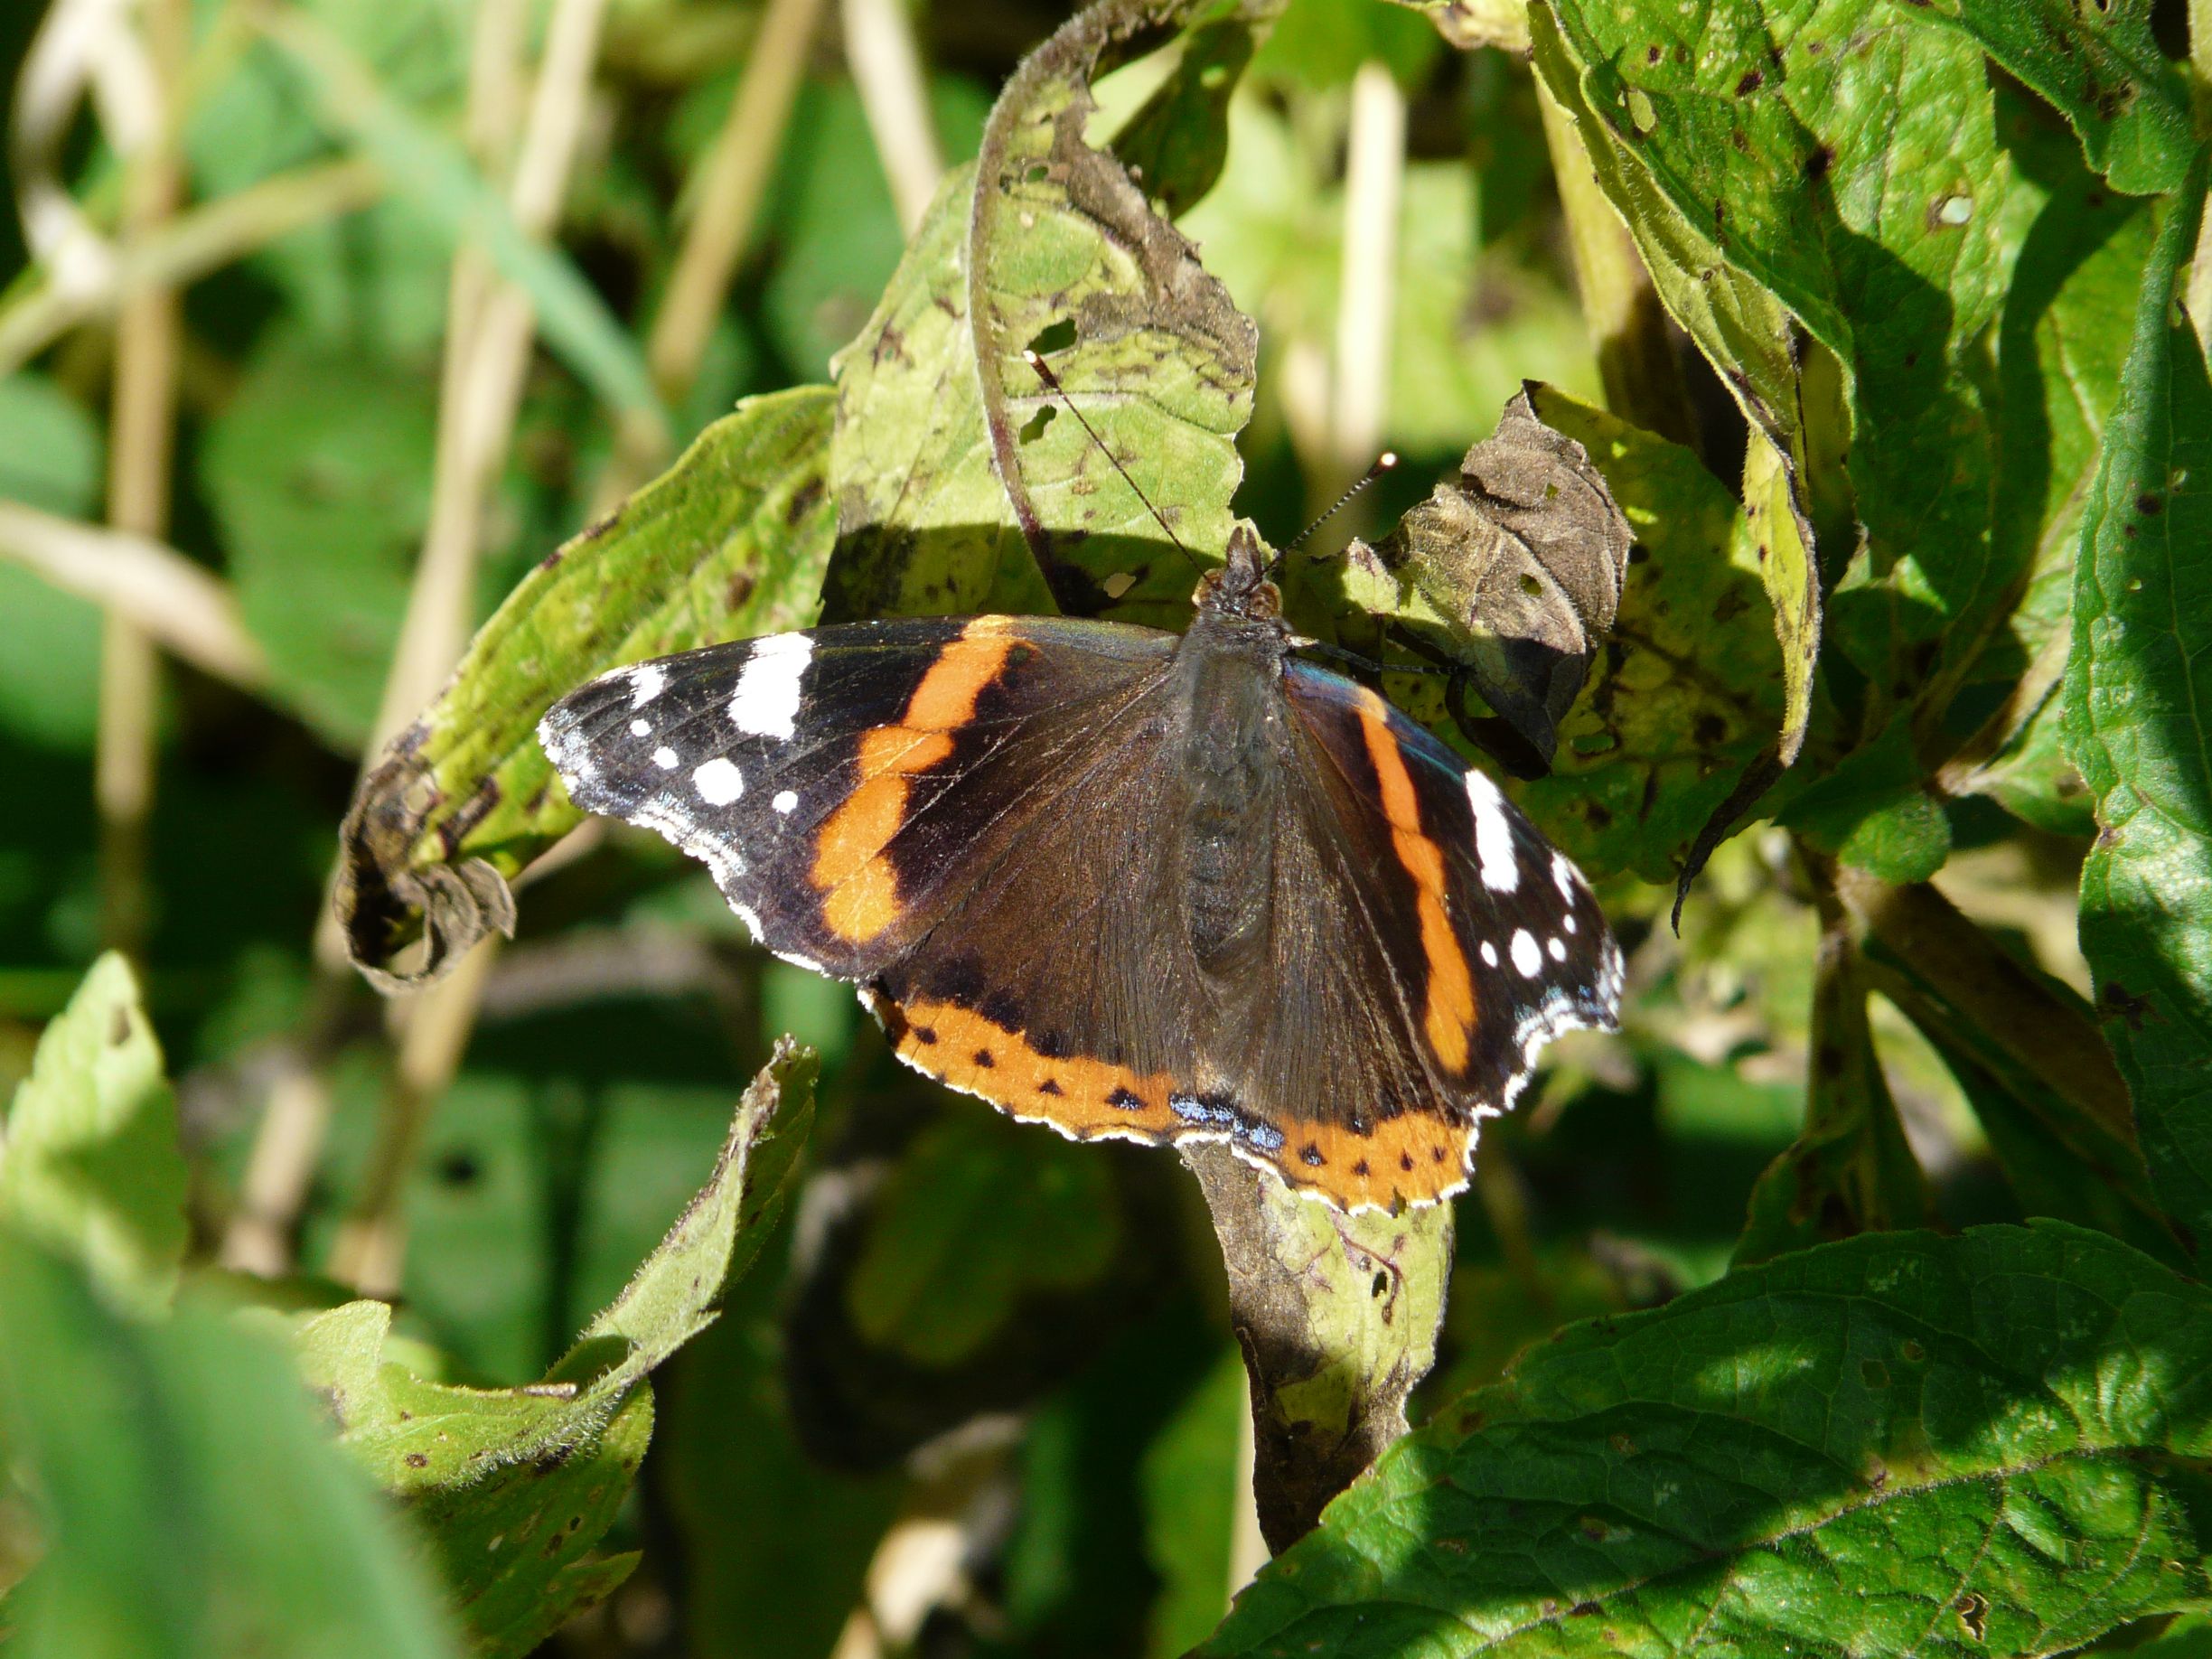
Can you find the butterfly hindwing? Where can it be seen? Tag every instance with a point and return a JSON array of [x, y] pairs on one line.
[[1469, 931]]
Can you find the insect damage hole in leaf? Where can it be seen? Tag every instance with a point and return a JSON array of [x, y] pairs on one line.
[[1075, 262]]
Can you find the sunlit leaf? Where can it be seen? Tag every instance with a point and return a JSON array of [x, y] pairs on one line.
[[513, 1487], [89, 1163], [1897, 1444], [2137, 685]]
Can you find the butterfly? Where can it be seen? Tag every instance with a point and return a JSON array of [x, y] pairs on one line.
[[1124, 882]]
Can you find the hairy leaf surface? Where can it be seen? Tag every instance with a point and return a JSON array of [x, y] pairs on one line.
[[1897, 1444]]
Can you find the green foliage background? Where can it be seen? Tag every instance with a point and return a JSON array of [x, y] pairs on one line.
[[1855, 1284]]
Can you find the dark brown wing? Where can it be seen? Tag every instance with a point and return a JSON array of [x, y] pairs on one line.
[[838, 780], [1427, 942]]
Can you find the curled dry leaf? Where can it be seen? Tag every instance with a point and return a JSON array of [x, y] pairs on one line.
[[1519, 560], [730, 541]]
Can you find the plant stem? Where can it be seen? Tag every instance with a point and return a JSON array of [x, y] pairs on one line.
[[1627, 325], [192, 613], [1366, 302], [886, 68], [2035, 1024], [182, 250], [370, 1250], [727, 197], [142, 422], [489, 332]]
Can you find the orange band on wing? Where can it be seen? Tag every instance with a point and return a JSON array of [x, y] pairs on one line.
[[1415, 1158], [1083, 1097], [850, 865], [1449, 1017]]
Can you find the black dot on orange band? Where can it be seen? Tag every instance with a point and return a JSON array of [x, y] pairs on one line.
[[983, 1057], [1312, 1154]]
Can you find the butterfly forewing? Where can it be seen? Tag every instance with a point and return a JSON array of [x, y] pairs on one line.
[[811, 770]]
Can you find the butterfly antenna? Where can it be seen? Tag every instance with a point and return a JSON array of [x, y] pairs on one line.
[[1052, 382], [1383, 463]]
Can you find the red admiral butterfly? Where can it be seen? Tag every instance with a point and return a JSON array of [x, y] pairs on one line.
[[1122, 882]]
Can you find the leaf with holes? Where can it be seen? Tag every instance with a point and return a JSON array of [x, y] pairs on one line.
[[962, 482], [730, 541], [1846, 158], [2137, 689], [1897, 1444]]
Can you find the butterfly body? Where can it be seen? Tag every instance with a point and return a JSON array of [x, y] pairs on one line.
[[1124, 882]]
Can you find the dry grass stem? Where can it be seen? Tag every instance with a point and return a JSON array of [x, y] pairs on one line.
[[886, 68], [183, 250], [188, 610], [1366, 304]]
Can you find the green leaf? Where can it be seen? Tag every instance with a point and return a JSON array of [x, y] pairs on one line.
[[972, 1219], [730, 541], [2103, 69], [1687, 689], [1190, 1478], [962, 482], [2137, 684], [190, 1505], [1871, 812], [51, 456], [2060, 346], [322, 501], [1744, 333], [1846, 158], [90, 1161], [1850, 1170], [512, 1487], [1897, 1444]]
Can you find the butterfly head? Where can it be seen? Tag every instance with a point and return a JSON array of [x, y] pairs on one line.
[[1241, 588]]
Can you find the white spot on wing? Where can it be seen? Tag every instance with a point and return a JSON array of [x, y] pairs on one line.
[[1557, 948], [1562, 876], [1489, 952], [665, 758], [1493, 840], [1528, 957], [641, 728], [647, 682], [719, 781], [785, 799], [1567, 922], [766, 701]]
